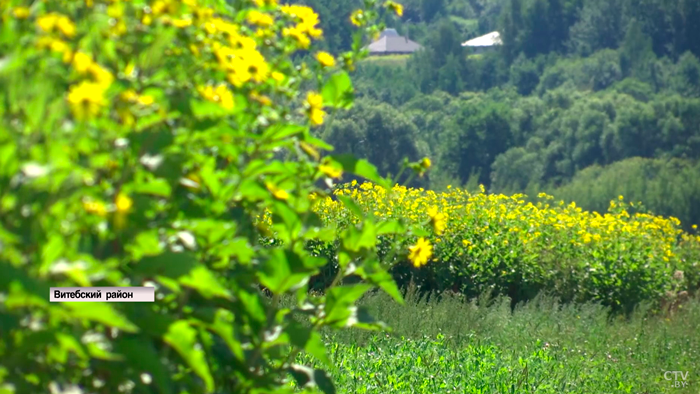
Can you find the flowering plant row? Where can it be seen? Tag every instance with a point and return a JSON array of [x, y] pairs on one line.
[[473, 242]]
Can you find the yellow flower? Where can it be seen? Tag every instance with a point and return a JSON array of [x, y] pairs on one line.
[[129, 95], [316, 116], [396, 7], [182, 22], [21, 12], [95, 208], [277, 76], [425, 163], [298, 34], [101, 75], [258, 18], [86, 100], [57, 46], [314, 100], [160, 7], [307, 18], [66, 26], [420, 253], [278, 193], [47, 22], [82, 62], [315, 103], [263, 3], [330, 171], [264, 100], [326, 59], [220, 95], [123, 203], [438, 220], [357, 18], [310, 150], [145, 100]]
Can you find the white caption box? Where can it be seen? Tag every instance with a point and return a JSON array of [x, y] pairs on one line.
[[102, 294]]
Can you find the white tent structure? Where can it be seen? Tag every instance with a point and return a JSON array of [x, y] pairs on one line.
[[390, 42], [484, 42]]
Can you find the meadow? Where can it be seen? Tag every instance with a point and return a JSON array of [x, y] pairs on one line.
[[387, 60], [453, 346], [561, 331]]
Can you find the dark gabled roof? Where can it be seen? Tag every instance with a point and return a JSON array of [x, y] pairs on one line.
[[391, 42]]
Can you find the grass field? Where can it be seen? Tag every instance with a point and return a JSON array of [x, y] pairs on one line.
[[388, 60], [481, 347]]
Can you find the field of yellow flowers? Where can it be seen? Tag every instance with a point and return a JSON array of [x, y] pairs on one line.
[[477, 242]]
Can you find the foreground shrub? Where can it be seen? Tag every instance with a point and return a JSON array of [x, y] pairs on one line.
[[139, 142], [485, 242]]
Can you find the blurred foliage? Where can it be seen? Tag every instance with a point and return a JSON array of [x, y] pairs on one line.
[[141, 143]]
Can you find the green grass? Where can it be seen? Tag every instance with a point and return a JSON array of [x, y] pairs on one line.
[[541, 347], [387, 60]]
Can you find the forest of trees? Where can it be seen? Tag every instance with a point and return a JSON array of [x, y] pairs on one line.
[[585, 99]]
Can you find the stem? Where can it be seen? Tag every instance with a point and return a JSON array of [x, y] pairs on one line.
[[261, 334]]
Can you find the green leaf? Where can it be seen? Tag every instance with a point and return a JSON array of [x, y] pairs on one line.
[[183, 338], [66, 344], [339, 303], [360, 167], [186, 270], [143, 357], [101, 313], [153, 57], [203, 109], [280, 132], [156, 187], [308, 378], [306, 338], [253, 304], [420, 232], [285, 270], [8, 322], [354, 239], [318, 143], [373, 272], [146, 243], [154, 324], [252, 191], [338, 91], [210, 180], [352, 206], [9, 163], [51, 251], [205, 282], [282, 213], [10, 274], [169, 264], [223, 326], [390, 227]]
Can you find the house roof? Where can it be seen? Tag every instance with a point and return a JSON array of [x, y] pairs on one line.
[[487, 40], [390, 33], [391, 42]]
